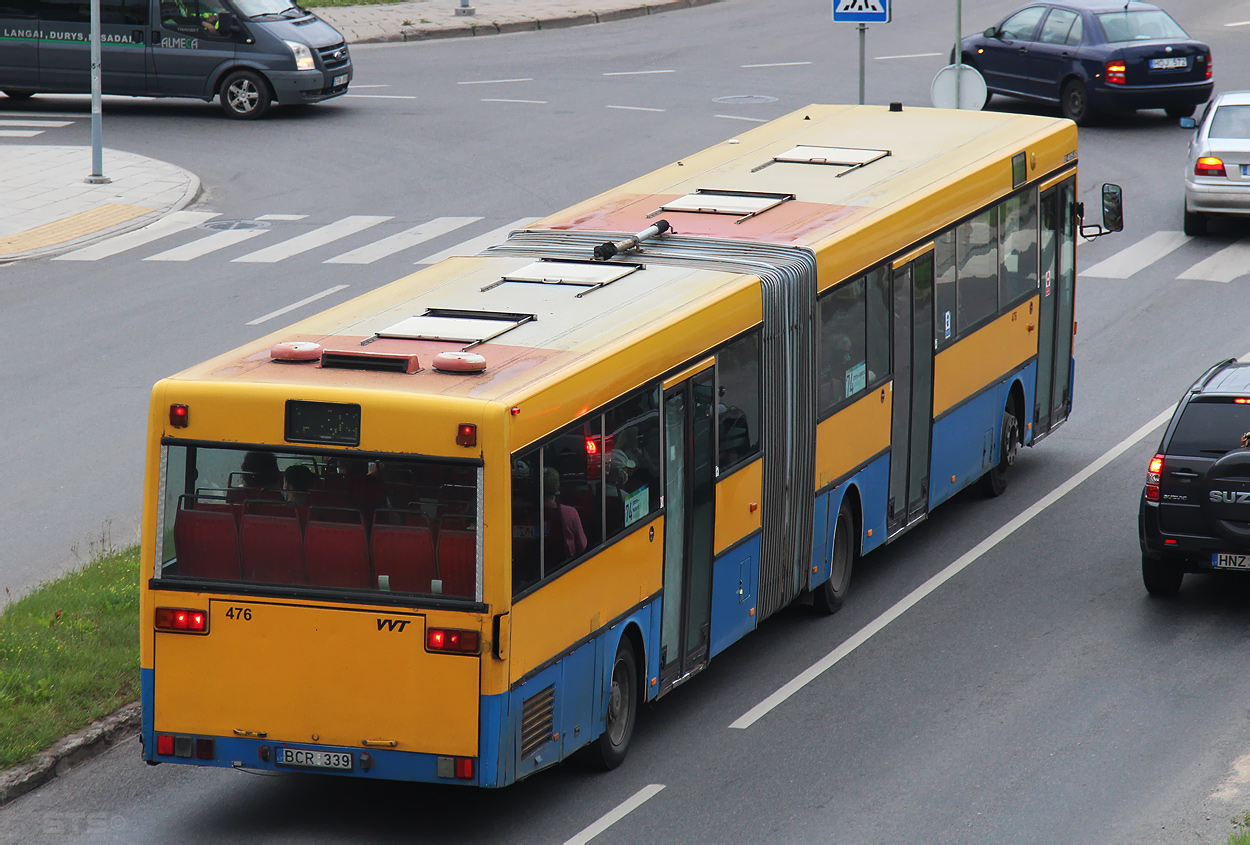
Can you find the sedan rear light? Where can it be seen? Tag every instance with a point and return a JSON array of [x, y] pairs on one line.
[[1153, 473], [1209, 63], [1116, 71], [1209, 166]]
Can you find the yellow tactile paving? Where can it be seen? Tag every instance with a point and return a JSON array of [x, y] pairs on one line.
[[72, 227]]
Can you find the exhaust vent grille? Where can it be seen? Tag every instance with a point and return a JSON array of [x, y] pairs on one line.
[[537, 721], [371, 361]]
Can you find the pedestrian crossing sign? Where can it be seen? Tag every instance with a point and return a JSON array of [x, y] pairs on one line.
[[861, 11]]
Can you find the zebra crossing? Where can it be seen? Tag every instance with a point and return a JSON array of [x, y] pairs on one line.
[[1227, 263], [28, 127], [187, 236], [223, 239]]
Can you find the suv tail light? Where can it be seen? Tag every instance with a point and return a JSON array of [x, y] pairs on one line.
[[1116, 72], [1209, 166], [1153, 473]]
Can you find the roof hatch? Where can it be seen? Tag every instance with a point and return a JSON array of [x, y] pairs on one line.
[[456, 326], [848, 158], [745, 204], [582, 274]]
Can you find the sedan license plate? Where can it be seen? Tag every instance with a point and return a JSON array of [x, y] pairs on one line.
[[1169, 63], [310, 759], [341, 79], [1220, 560]]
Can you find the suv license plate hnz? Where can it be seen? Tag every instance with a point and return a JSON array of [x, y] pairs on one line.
[[1221, 560], [314, 759]]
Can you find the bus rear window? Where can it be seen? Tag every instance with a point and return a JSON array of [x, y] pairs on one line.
[[381, 524]]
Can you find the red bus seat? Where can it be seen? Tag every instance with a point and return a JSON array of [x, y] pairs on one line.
[[206, 539], [272, 542], [403, 551], [457, 562], [336, 550]]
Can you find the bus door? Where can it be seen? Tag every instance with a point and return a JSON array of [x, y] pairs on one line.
[[912, 422], [1054, 329], [689, 489]]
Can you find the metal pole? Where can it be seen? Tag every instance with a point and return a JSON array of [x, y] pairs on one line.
[[959, 53], [97, 116], [862, 29], [464, 9]]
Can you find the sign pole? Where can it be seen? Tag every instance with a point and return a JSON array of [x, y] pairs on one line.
[[959, 53], [97, 176], [863, 28]]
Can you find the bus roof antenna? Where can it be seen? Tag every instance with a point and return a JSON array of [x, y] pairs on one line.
[[607, 250]]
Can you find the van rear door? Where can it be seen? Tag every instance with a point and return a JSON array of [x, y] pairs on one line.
[[19, 45]]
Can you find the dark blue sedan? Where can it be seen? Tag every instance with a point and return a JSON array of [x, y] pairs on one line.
[[1092, 56]]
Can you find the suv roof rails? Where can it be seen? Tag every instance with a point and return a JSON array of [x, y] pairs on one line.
[[1206, 377]]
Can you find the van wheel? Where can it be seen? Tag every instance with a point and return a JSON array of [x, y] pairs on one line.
[[610, 749], [1160, 577], [13, 94], [829, 596], [994, 482], [245, 95]]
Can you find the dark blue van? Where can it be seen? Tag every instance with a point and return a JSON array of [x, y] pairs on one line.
[[248, 53]]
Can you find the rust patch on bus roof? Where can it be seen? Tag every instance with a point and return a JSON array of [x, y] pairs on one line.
[[790, 222]]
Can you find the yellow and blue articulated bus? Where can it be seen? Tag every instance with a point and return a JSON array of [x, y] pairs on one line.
[[457, 529]]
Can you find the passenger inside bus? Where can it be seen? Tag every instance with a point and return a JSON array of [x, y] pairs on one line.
[[565, 538], [297, 481]]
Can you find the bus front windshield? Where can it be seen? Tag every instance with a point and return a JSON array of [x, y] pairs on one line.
[[266, 8], [321, 521]]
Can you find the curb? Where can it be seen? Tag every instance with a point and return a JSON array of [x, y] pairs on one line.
[[531, 24], [68, 753]]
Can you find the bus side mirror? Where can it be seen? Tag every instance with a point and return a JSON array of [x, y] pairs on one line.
[[1112, 208], [1188, 123]]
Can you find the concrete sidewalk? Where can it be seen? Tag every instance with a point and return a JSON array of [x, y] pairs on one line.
[[46, 207]]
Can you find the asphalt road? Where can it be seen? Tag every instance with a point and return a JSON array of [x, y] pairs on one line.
[[1038, 695]]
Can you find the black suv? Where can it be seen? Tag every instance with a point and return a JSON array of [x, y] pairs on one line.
[[1195, 511]]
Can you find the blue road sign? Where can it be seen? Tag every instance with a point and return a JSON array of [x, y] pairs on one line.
[[861, 11]]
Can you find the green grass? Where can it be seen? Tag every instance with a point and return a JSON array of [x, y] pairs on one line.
[[69, 654]]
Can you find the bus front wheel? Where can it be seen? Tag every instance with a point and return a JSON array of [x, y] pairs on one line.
[[612, 746], [829, 596], [994, 483]]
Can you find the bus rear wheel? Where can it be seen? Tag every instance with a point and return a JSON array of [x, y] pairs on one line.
[[994, 482], [610, 749], [829, 596]]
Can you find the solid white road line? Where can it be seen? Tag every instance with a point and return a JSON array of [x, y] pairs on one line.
[[615, 815], [176, 222], [295, 305], [906, 56], [1140, 255], [632, 108], [915, 596], [495, 81], [20, 133], [736, 117], [778, 64], [311, 240], [500, 100], [203, 246], [403, 240], [382, 96], [371, 86], [636, 72], [1227, 264], [47, 124], [290, 217], [1238, 23], [481, 242]]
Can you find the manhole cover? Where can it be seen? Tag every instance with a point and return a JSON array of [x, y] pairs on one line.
[[224, 225], [744, 99]]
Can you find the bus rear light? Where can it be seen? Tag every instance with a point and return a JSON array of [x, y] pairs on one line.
[[1153, 474], [179, 416], [165, 744], [464, 768], [450, 640], [466, 434], [204, 749], [1116, 73], [1209, 166], [181, 620]]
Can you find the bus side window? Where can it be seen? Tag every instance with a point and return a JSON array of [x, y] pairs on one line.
[[878, 296], [738, 409], [843, 344], [944, 287], [977, 258], [632, 460], [526, 507], [1018, 276]]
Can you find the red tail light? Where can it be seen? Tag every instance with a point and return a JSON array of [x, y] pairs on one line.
[[464, 768], [1209, 64], [179, 416], [1209, 166], [181, 620], [466, 434], [1153, 473], [165, 744], [449, 640], [1116, 73]]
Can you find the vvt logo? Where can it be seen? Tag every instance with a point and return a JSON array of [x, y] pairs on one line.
[[1230, 497], [393, 624]]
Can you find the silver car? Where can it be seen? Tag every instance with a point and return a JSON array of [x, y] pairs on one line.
[[1217, 174]]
